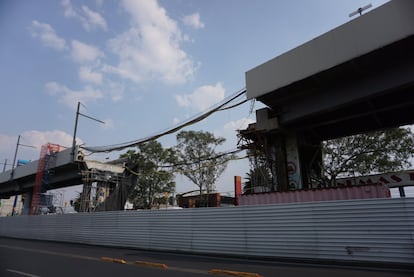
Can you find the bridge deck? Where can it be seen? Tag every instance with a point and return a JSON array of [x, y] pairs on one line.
[[65, 173]]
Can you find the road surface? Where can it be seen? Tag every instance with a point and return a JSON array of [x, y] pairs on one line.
[[19, 258]]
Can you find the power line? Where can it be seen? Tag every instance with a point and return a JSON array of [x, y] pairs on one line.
[[180, 171], [191, 121]]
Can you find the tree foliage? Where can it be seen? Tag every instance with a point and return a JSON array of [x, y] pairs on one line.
[[154, 175], [373, 152], [259, 179], [198, 159]]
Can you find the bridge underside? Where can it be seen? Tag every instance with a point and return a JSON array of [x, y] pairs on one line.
[[374, 91], [356, 78], [62, 176], [371, 92]]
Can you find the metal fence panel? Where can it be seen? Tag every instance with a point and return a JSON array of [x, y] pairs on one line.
[[378, 230]]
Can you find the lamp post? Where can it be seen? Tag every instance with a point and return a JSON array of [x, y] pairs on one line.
[[76, 128], [4, 165], [15, 154], [14, 166]]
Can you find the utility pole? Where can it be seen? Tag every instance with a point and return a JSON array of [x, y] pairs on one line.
[[15, 155], [4, 165], [74, 132], [14, 166], [76, 128]]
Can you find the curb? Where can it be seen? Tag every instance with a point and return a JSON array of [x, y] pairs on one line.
[[233, 273]]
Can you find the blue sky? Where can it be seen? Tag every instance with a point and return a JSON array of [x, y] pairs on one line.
[[141, 66]]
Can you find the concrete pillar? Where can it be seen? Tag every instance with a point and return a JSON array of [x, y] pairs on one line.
[[293, 158], [310, 154], [278, 163], [27, 202], [293, 162]]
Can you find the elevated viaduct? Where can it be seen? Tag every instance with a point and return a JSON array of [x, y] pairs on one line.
[[66, 171], [355, 78]]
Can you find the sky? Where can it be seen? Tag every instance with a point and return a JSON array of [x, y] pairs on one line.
[[141, 66]]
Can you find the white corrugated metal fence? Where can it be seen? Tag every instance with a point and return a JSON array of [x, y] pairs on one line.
[[377, 230]]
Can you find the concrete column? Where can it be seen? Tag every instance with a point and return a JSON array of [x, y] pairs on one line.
[[310, 154], [293, 162], [278, 163], [27, 203]]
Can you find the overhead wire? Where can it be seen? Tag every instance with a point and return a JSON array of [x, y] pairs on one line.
[[180, 171], [218, 107], [233, 106]]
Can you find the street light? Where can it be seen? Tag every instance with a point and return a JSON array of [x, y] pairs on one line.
[[76, 128], [4, 165], [13, 167], [15, 154]]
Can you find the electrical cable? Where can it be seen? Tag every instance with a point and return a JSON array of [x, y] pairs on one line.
[[192, 170], [191, 121]]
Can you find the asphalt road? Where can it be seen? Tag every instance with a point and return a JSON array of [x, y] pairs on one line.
[[49, 259]]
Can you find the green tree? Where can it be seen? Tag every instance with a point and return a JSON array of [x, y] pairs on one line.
[[259, 179], [76, 202], [154, 173], [199, 161], [373, 152]]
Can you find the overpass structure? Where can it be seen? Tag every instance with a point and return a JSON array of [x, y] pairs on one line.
[[67, 170], [355, 78]]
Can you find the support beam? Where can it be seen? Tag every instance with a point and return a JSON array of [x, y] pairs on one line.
[[279, 162]]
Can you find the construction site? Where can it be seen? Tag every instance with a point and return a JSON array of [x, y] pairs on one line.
[[355, 89]]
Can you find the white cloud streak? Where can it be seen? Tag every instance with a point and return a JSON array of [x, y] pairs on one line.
[[86, 74], [47, 35], [202, 98], [71, 97], [93, 20], [193, 21], [237, 124], [90, 19], [82, 52], [39, 138], [116, 90]]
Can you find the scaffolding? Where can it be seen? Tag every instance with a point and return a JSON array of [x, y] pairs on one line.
[[47, 161], [97, 187], [261, 163]]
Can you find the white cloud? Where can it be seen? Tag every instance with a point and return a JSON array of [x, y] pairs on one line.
[[176, 120], [150, 49], [86, 74], [109, 123], [71, 97], [35, 139], [93, 19], [116, 90], [90, 20], [202, 98], [237, 124], [47, 35], [193, 21], [7, 148], [82, 52], [229, 131], [39, 138], [69, 11]]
